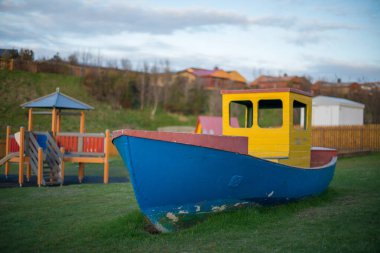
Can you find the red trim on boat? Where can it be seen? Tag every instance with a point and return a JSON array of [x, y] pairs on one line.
[[266, 91], [235, 144], [321, 156]]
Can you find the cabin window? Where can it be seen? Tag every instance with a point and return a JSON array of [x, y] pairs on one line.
[[299, 115], [270, 113], [241, 114]]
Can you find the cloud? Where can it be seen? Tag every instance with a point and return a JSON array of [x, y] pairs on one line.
[[272, 21], [98, 18], [305, 38], [38, 21], [323, 27], [332, 69], [308, 33]]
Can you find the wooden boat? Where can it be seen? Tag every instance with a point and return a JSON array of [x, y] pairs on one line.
[[180, 176]]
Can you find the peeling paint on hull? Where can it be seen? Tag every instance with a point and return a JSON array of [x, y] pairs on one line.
[[177, 184]]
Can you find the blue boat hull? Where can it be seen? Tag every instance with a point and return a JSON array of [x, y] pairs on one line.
[[174, 181]]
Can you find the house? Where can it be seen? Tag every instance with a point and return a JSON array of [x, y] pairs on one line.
[[213, 125], [332, 111], [8, 53], [269, 82], [6, 58], [370, 87], [339, 88], [215, 79]]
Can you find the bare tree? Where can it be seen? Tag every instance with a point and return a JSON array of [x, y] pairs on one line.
[[126, 64], [165, 81], [73, 58], [99, 59], [26, 54], [86, 57], [154, 88], [112, 63], [143, 83]]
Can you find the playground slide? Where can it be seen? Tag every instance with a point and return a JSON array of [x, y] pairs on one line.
[[8, 157], [17, 138]]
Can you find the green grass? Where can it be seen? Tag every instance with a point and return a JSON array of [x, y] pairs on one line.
[[105, 218], [19, 87]]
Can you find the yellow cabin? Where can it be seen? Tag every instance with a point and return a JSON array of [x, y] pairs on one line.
[[277, 123]]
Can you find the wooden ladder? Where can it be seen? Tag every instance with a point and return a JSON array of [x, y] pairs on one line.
[[32, 150], [51, 161]]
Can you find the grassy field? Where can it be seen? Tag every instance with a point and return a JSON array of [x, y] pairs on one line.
[[19, 87], [105, 218]]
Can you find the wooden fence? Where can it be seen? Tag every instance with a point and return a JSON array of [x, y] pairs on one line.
[[54, 67], [112, 149], [347, 139]]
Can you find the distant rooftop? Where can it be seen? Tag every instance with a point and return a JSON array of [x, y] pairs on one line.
[[325, 100], [301, 92], [217, 73], [57, 100]]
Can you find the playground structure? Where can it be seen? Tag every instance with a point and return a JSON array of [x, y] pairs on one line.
[[45, 153]]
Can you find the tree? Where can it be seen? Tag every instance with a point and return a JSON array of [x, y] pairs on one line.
[[176, 97], [111, 63], [26, 55], [10, 54], [197, 100], [126, 64], [155, 89], [73, 59], [86, 58], [56, 58], [166, 79], [143, 84]]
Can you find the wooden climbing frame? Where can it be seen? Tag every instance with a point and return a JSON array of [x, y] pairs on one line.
[[78, 148]]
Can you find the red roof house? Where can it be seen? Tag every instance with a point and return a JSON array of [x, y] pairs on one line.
[[216, 78]]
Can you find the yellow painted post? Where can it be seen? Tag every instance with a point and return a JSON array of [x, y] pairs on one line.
[[7, 147], [54, 121], [198, 128], [82, 118], [106, 156], [59, 121], [81, 130], [11, 65], [30, 120], [28, 171], [81, 172], [40, 166], [30, 128], [21, 162], [62, 166]]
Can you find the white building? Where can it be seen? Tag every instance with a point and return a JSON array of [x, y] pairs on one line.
[[331, 111]]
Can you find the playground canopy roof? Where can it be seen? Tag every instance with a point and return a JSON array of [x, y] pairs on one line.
[[57, 100]]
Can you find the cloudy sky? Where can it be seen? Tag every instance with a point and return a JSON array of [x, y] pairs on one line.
[[322, 39]]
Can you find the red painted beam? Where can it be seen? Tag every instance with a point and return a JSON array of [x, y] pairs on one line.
[[235, 144]]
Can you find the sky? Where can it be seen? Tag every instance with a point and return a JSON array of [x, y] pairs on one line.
[[325, 40]]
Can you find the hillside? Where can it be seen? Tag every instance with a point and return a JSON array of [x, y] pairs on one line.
[[19, 87]]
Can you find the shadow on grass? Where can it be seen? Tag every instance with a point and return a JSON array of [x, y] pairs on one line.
[[135, 225], [131, 225], [12, 180], [255, 216]]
